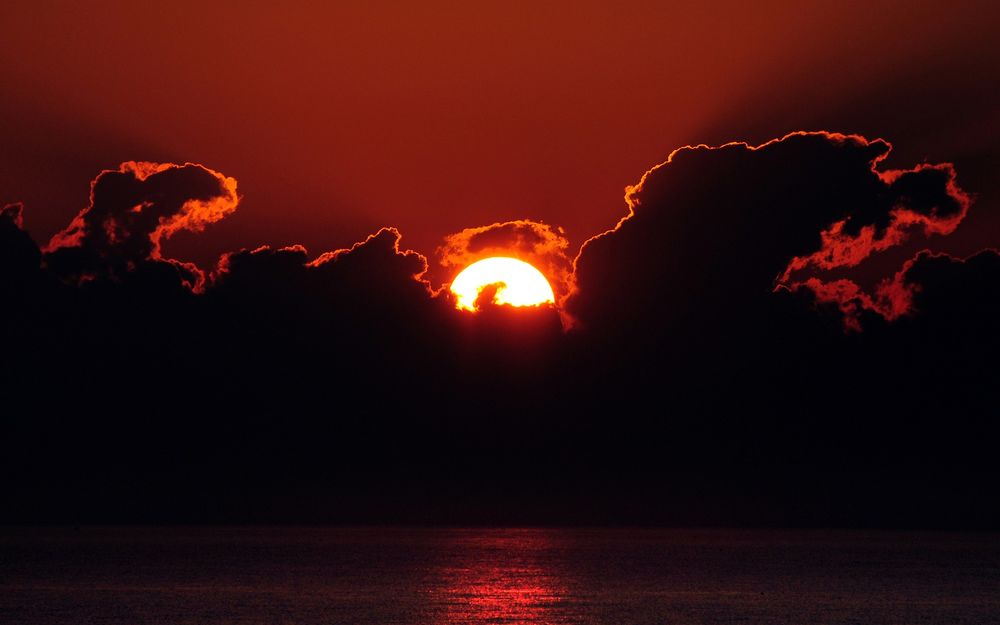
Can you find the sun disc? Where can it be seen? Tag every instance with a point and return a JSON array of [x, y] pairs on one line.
[[519, 284]]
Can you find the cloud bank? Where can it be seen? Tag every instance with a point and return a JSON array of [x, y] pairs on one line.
[[708, 339]]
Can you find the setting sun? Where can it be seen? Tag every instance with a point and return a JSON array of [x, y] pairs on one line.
[[519, 284]]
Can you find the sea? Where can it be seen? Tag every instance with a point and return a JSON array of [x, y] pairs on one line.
[[442, 576]]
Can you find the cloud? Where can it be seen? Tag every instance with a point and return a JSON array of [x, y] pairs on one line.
[[959, 292], [925, 198], [380, 255], [539, 244], [711, 232], [19, 255], [375, 272], [132, 211], [368, 300], [710, 339], [13, 213]]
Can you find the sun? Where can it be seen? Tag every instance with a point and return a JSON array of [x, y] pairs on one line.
[[518, 283]]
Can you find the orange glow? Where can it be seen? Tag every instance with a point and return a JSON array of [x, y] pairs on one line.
[[517, 282]]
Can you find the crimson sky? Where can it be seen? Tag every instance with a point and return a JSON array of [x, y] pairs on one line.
[[438, 116]]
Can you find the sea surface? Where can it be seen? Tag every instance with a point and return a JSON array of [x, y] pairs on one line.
[[336, 576]]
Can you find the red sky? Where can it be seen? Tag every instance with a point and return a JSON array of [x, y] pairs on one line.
[[436, 116]]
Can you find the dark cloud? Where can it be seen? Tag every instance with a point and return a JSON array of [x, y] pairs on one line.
[[714, 230], [19, 256], [132, 210], [709, 355], [375, 268], [924, 199], [370, 298], [954, 300]]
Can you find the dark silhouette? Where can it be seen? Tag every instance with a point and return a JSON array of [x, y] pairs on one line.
[[705, 368]]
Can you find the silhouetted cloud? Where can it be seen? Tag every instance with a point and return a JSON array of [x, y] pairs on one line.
[[134, 208], [372, 289], [925, 198], [712, 231], [19, 255], [710, 342]]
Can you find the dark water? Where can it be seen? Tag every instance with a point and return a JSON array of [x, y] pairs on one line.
[[449, 576]]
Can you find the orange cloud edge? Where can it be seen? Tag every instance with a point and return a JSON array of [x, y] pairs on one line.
[[546, 247]]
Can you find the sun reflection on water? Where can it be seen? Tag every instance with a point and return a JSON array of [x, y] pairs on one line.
[[501, 578]]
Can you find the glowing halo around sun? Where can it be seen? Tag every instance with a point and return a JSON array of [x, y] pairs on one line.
[[520, 284]]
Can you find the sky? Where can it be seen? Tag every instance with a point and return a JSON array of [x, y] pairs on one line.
[[771, 234], [432, 117]]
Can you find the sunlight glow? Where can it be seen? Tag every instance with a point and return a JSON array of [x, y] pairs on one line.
[[520, 284]]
